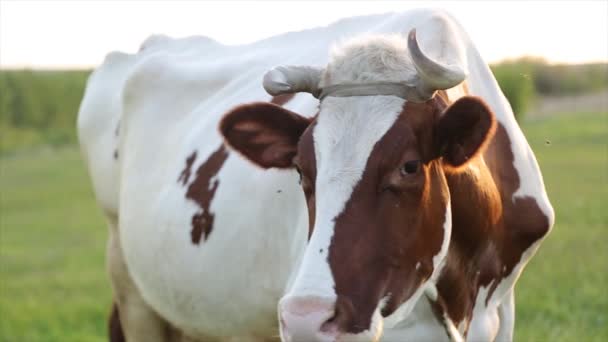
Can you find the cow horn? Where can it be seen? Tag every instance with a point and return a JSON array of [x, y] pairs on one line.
[[434, 75], [293, 79]]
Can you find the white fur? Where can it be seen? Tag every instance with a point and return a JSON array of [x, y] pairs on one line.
[[506, 317], [371, 58], [98, 120], [420, 325], [484, 325], [453, 332]]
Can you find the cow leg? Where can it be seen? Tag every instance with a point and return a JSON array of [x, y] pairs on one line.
[[137, 320], [115, 332], [506, 315]]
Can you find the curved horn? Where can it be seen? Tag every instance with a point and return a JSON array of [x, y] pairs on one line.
[[435, 76], [293, 79]]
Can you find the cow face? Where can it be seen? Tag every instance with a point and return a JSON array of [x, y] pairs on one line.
[[372, 170]]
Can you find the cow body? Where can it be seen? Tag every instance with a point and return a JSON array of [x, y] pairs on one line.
[[203, 243]]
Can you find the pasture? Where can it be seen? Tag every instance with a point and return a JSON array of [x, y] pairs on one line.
[[53, 285]]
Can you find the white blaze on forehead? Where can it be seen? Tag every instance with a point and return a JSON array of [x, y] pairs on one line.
[[344, 137]]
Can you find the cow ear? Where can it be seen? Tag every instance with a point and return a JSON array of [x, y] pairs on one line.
[[463, 130], [264, 133]]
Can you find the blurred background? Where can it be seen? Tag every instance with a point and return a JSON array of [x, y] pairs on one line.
[[550, 58]]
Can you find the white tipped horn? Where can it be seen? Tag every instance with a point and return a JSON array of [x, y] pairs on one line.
[[434, 75], [293, 79]]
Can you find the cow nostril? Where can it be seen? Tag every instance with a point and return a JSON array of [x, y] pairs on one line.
[[330, 327], [339, 321]]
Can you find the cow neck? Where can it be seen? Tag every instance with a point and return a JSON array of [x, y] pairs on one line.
[[476, 207], [473, 257]]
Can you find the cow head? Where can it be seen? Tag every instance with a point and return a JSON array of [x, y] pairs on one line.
[[372, 165]]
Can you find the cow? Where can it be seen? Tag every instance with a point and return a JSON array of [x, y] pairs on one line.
[[363, 181]]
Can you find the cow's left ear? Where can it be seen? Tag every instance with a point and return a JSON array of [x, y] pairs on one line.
[[264, 133], [463, 129]]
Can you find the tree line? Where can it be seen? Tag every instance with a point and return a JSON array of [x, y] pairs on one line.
[[40, 107], [523, 80]]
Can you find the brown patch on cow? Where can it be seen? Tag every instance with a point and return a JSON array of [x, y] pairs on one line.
[[490, 231], [282, 99], [184, 176], [201, 190], [115, 332], [524, 222]]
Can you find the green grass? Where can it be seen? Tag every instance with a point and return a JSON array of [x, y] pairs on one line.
[[562, 295], [53, 285]]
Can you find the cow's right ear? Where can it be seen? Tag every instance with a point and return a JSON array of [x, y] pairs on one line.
[[264, 133]]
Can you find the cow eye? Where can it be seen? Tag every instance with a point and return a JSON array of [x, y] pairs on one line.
[[410, 167]]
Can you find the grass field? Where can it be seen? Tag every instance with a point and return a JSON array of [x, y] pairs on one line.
[[53, 285]]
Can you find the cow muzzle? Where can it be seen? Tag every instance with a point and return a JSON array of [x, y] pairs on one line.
[[320, 319], [307, 318]]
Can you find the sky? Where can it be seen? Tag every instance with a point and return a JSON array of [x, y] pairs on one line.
[[78, 33]]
